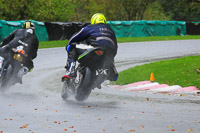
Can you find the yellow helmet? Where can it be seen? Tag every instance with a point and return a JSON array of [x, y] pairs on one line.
[[28, 24], [98, 18]]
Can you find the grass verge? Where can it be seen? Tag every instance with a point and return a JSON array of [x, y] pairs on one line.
[[156, 38], [179, 71], [52, 44], [62, 43]]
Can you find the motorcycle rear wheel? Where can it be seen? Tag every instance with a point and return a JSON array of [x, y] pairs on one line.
[[85, 86], [6, 79]]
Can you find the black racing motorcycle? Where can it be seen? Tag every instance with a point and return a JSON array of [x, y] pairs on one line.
[[12, 68], [90, 73]]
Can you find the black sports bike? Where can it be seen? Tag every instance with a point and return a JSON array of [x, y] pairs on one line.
[[90, 72], [12, 68]]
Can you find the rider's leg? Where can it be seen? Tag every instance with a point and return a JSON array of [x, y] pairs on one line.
[[24, 70], [109, 61], [113, 74], [71, 62]]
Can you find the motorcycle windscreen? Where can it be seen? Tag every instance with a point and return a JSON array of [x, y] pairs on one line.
[[92, 58]]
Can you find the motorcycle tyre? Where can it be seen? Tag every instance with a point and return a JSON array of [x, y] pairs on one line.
[[6, 81], [65, 94], [85, 87]]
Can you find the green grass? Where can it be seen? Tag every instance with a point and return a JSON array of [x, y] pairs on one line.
[[52, 44], [156, 38], [62, 43], [179, 71]]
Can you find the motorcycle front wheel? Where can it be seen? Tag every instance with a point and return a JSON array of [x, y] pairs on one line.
[[65, 93]]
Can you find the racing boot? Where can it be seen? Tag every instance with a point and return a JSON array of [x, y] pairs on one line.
[[113, 74], [70, 71]]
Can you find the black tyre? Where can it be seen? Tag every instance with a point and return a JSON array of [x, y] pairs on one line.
[[6, 79], [85, 85], [65, 92]]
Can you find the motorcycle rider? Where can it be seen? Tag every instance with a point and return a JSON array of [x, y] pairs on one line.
[[98, 34], [25, 39]]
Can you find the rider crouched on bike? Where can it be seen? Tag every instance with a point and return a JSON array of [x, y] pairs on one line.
[[98, 34], [26, 40]]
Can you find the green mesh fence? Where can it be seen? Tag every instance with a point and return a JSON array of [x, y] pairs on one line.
[[140, 28], [144, 28], [6, 27]]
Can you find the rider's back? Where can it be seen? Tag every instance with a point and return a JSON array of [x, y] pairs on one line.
[[25, 38], [104, 35]]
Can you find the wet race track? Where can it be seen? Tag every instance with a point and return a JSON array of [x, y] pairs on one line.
[[36, 106]]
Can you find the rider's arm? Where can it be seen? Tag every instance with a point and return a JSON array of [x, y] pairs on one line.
[[7, 39], [35, 49], [78, 37], [34, 55]]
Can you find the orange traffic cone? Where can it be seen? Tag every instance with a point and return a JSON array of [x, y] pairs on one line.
[[152, 77]]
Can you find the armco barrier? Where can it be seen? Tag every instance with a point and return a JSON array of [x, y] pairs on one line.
[[54, 30], [64, 30], [193, 28]]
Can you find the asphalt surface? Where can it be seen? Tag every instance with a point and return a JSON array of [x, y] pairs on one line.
[[36, 105]]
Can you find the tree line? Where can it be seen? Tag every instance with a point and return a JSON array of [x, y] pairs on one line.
[[114, 10]]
